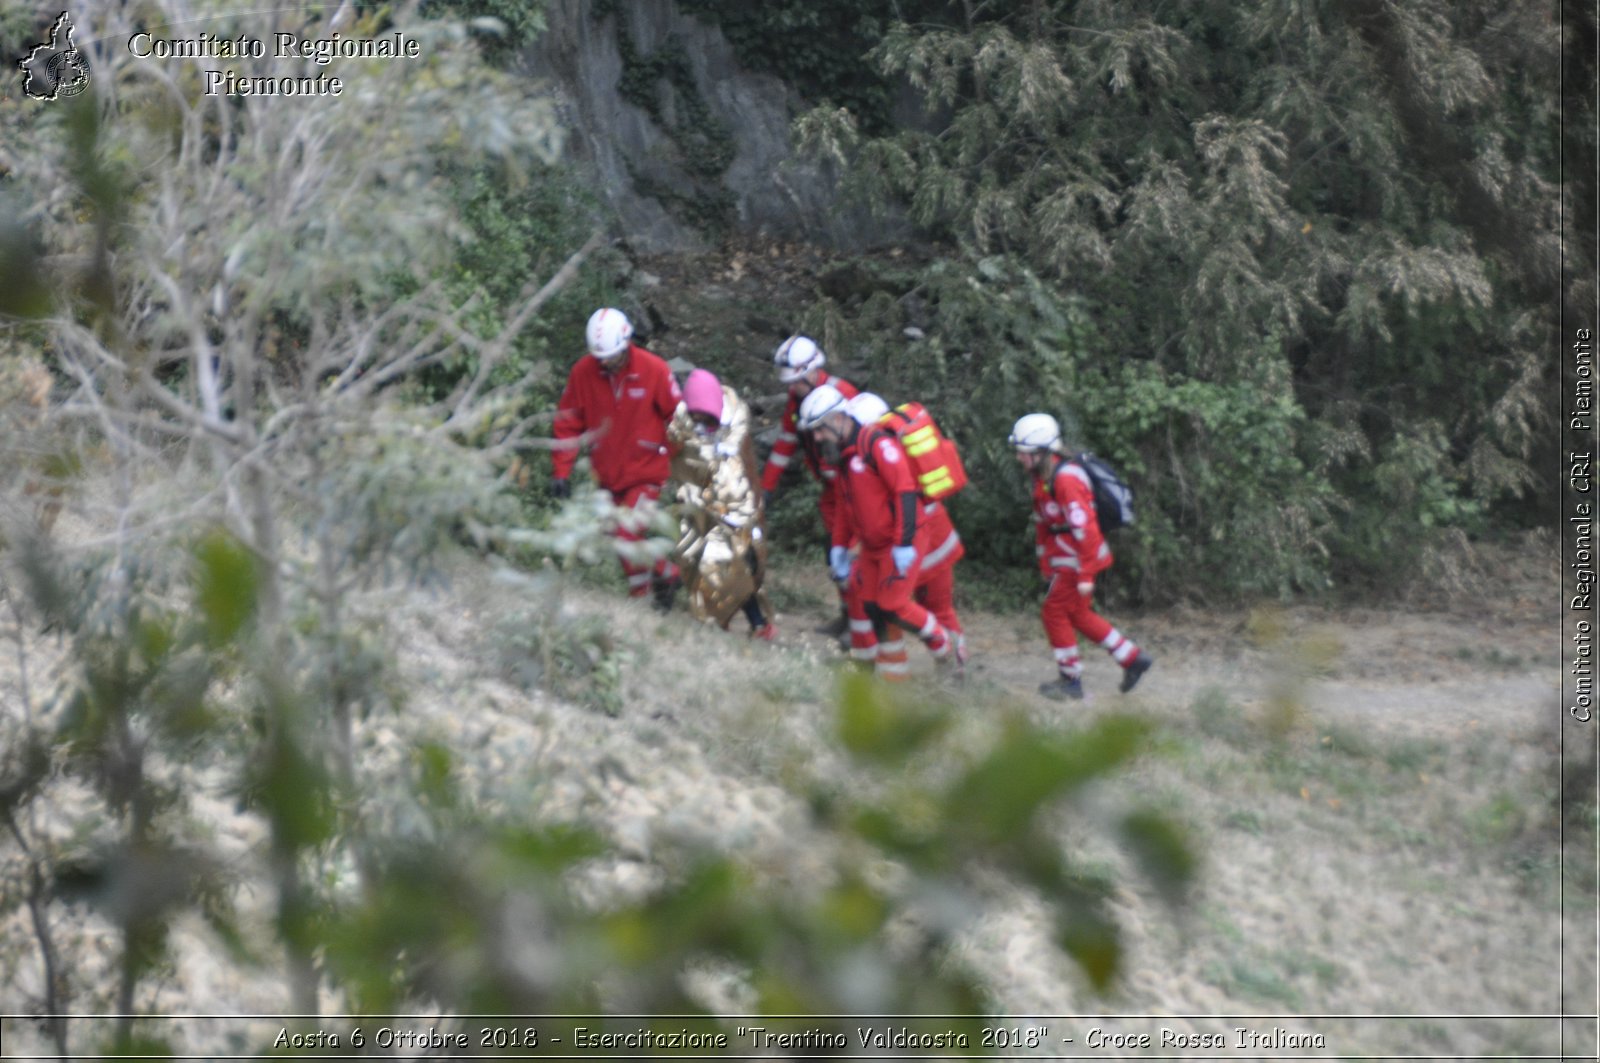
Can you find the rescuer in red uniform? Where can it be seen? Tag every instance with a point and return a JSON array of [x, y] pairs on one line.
[[1071, 553], [883, 506], [800, 363], [939, 547], [618, 402]]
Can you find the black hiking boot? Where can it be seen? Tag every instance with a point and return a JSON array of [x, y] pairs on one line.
[[1135, 671], [1062, 688], [835, 628], [664, 590]]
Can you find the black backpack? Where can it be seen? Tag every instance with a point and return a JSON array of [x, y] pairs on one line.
[[1113, 499]]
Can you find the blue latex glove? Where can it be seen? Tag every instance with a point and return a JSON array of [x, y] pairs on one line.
[[839, 563], [904, 558]]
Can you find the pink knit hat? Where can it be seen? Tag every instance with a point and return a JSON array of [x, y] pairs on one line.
[[702, 393]]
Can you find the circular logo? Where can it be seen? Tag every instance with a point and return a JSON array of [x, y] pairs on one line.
[[69, 72]]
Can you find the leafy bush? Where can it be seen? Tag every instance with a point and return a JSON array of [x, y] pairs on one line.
[[1409, 477], [521, 227], [1214, 465]]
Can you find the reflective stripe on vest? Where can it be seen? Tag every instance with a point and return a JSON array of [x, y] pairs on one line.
[[937, 483], [921, 441]]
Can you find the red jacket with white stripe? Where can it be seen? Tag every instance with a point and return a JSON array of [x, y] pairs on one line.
[[882, 502], [791, 439], [1065, 526], [938, 543], [629, 411], [936, 539]]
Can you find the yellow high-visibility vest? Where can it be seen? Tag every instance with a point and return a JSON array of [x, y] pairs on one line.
[[934, 458]]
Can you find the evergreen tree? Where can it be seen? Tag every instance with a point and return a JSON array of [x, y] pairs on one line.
[[1310, 253]]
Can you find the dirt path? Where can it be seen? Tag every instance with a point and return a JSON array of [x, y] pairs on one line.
[[1466, 662], [1414, 673]]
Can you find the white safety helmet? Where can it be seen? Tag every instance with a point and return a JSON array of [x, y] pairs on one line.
[[867, 408], [797, 356], [822, 401], [1035, 431], [608, 333]]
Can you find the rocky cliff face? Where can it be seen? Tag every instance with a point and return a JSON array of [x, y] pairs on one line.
[[684, 143]]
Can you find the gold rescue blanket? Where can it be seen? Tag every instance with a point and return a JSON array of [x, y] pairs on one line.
[[715, 486]]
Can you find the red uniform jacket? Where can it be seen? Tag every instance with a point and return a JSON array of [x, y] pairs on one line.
[[1065, 525], [938, 543], [790, 439], [881, 500], [629, 411]]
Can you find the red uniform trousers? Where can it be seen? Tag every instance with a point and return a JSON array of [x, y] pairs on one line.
[[885, 600], [935, 589], [939, 548], [937, 594], [640, 575], [863, 640], [1065, 613]]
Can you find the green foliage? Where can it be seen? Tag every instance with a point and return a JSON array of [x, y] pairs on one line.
[[579, 531], [1409, 477], [228, 584], [138, 705], [392, 500], [519, 228], [1276, 289], [270, 385], [1007, 587], [1207, 458], [995, 811], [24, 287], [436, 923], [792, 524], [874, 729], [815, 46]]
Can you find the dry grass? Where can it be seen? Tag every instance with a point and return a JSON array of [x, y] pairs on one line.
[[1377, 816], [1380, 835]]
